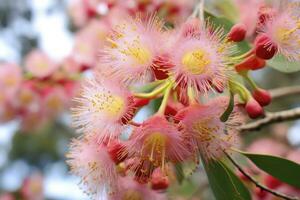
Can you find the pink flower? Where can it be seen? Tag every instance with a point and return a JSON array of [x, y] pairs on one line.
[[91, 162], [104, 106], [200, 60], [132, 190], [154, 144], [249, 13], [10, 79], [54, 101], [39, 64], [32, 187], [135, 43], [89, 41], [208, 135], [283, 32], [7, 196]]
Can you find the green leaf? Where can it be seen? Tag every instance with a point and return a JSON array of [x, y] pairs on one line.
[[179, 172], [225, 116], [281, 64], [224, 183], [285, 170]]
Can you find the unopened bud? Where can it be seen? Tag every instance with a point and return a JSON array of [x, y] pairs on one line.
[[140, 102], [251, 63], [254, 109], [237, 33], [265, 48], [117, 152], [159, 181], [263, 97], [161, 67]]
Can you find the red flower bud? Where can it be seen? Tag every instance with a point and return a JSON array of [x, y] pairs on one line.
[[251, 63], [253, 108], [272, 182], [265, 48], [159, 181], [237, 33], [161, 67], [140, 102], [117, 152], [263, 97]]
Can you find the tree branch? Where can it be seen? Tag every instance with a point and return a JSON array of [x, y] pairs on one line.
[[284, 91], [271, 118], [257, 184]]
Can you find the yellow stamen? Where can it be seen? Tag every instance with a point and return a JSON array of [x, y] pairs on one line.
[[154, 149], [196, 62], [141, 55], [107, 103], [132, 195]]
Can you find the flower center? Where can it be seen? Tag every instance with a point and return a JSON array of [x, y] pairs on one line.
[[107, 103], [154, 149], [132, 195], [206, 129], [140, 55], [285, 34], [195, 62]]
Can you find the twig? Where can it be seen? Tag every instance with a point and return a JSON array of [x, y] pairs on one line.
[[199, 10], [272, 118], [284, 91], [257, 184]]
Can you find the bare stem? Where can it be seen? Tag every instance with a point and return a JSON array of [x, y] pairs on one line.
[[272, 118], [257, 184], [285, 91]]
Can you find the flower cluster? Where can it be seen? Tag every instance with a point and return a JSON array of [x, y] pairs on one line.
[[184, 128], [186, 68], [40, 92]]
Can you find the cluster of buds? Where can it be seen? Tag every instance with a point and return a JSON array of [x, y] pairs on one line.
[[278, 33], [183, 68], [39, 93]]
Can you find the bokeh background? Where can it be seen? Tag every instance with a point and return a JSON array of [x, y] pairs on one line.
[[40, 154]]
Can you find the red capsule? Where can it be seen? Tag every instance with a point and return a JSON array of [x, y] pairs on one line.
[[159, 181], [263, 97], [254, 109], [237, 33], [251, 63], [117, 152], [265, 48]]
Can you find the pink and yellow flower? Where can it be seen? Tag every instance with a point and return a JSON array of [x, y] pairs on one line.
[[103, 107], [208, 135], [39, 64], [134, 44], [283, 32], [91, 162], [201, 58], [154, 144]]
